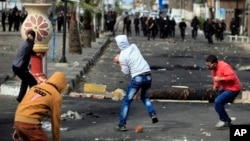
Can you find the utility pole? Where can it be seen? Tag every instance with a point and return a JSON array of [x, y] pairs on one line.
[[103, 9], [63, 58], [237, 18], [148, 5], [217, 9]]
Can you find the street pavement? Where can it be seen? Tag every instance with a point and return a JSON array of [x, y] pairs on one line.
[[173, 62], [175, 65]]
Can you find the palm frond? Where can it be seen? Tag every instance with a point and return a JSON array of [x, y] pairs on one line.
[[90, 7]]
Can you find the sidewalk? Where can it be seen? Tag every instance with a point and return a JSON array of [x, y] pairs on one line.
[[75, 67]]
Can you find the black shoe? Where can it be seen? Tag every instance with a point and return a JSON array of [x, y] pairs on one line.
[[121, 128], [154, 119]]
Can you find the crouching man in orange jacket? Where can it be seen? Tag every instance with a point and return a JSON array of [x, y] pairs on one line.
[[34, 107]]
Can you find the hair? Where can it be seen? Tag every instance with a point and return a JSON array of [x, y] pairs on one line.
[[212, 59], [32, 33]]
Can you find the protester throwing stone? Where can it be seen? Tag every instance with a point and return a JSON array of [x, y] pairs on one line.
[[36, 104], [132, 62], [20, 65]]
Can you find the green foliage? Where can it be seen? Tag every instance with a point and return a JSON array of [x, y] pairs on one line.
[[201, 21], [90, 6], [87, 14], [99, 16], [152, 2], [117, 6]]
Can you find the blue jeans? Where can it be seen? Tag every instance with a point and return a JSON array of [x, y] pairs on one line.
[[142, 82], [220, 101]]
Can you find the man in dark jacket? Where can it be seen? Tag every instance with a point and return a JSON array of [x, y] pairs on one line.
[[3, 20], [182, 26], [210, 31], [172, 25], [233, 27], [136, 25], [194, 24], [21, 62]]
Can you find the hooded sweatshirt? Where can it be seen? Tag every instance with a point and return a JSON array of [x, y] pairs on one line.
[[131, 59], [40, 100]]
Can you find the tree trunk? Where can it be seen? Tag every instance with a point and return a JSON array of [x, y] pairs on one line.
[[86, 35], [93, 34], [74, 39], [183, 94], [86, 38]]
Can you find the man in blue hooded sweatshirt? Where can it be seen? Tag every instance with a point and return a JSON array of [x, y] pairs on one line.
[[132, 62]]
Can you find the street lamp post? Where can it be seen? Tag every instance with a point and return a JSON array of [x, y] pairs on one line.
[[63, 58]]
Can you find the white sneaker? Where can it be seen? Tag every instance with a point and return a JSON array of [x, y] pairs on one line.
[[221, 124]]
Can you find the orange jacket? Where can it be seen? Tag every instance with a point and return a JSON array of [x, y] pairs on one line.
[[231, 81], [40, 100]]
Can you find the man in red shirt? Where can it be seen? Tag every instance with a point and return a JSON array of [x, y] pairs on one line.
[[226, 83]]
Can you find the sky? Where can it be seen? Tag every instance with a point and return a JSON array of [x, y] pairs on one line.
[[127, 1]]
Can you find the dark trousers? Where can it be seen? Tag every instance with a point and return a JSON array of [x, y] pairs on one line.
[[210, 38], [27, 81], [172, 32], [3, 25], [194, 33], [166, 32], [10, 26], [128, 30], [123, 29], [182, 34], [137, 30], [59, 26], [16, 26], [151, 32]]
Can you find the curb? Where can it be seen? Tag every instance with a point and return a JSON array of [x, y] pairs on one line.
[[75, 75], [73, 71]]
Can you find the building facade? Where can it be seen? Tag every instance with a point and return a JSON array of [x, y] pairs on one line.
[[217, 9]]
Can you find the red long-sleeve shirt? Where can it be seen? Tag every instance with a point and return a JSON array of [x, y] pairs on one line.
[[231, 80]]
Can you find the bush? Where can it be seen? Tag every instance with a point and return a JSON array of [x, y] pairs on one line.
[[201, 21]]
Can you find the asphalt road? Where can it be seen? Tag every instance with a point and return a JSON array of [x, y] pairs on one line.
[[177, 121], [173, 62]]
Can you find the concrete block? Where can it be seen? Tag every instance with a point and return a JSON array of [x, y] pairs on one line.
[[109, 95], [94, 88], [10, 88], [97, 96], [61, 65], [118, 94], [86, 95], [245, 97], [75, 94], [238, 100]]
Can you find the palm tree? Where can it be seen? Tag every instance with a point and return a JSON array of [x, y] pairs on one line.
[[74, 36], [90, 10], [74, 39]]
